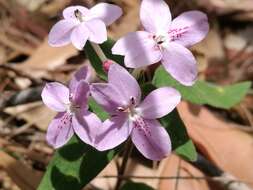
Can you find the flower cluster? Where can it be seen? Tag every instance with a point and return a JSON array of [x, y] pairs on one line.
[[162, 40]]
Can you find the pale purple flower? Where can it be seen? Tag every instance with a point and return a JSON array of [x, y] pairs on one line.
[[121, 97], [81, 24], [164, 40], [73, 116]]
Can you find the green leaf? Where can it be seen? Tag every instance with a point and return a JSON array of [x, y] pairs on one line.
[[107, 49], [135, 186], [181, 143], [74, 166], [95, 60], [100, 112], [203, 92]]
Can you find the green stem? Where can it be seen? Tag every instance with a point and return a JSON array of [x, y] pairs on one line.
[[99, 52]]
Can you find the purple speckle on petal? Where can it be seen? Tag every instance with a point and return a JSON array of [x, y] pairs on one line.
[[177, 33]]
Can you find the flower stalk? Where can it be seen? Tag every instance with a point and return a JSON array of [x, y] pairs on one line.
[[126, 155], [99, 52]]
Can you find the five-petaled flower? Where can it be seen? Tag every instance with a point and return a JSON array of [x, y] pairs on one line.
[[121, 97], [73, 116], [81, 24], [164, 40]]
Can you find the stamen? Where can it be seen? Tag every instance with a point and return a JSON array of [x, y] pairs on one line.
[[159, 39], [78, 15], [132, 99], [121, 109]]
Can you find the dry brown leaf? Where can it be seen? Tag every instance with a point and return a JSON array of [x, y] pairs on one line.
[[34, 113], [129, 22], [134, 168], [227, 6], [24, 177], [209, 51], [224, 143], [177, 167], [47, 58]]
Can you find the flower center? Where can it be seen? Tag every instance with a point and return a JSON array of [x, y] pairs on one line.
[[78, 14], [72, 107], [130, 108], [159, 39]]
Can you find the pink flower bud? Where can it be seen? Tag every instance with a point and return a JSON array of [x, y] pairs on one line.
[[107, 64]]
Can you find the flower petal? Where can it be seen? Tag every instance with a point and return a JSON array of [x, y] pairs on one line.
[[59, 130], [180, 63], [83, 73], [106, 12], [151, 139], [87, 127], [139, 49], [79, 36], [113, 132], [129, 42], [155, 16], [60, 33], [55, 95], [97, 31], [159, 103], [81, 93], [69, 12], [125, 83], [189, 28], [107, 96]]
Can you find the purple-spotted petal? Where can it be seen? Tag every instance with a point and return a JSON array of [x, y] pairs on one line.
[[79, 36], [87, 127], [151, 139], [59, 130], [139, 49], [107, 96], [82, 74], [180, 63], [113, 132], [60, 33], [159, 103], [80, 94], [55, 96], [189, 28], [97, 31], [106, 12], [155, 16], [125, 83], [69, 12]]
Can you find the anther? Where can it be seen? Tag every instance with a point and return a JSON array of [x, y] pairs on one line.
[[121, 109], [78, 15], [132, 99]]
